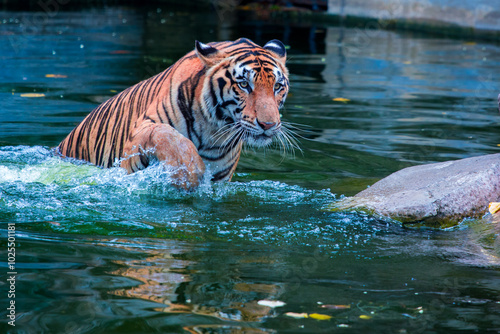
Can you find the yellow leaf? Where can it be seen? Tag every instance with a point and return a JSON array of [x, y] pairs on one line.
[[32, 95], [318, 316], [494, 207], [341, 99], [58, 76], [365, 317], [113, 91], [296, 315], [408, 62]]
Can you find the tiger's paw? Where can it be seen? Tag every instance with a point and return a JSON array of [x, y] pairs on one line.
[[176, 152], [185, 162]]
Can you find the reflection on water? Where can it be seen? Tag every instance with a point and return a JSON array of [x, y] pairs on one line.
[[166, 279], [102, 251]]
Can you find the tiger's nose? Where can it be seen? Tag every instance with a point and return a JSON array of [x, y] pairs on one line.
[[266, 125]]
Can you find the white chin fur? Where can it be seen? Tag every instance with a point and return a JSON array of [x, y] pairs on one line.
[[258, 141]]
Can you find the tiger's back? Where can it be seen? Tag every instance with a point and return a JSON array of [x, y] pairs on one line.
[[216, 96], [101, 136]]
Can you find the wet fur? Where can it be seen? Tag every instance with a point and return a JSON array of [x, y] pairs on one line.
[[197, 112]]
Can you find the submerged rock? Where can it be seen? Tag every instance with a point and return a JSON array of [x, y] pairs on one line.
[[440, 194]]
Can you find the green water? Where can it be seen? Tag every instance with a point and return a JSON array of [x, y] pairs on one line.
[[99, 251]]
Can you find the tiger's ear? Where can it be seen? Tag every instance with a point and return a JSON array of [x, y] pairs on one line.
[[208, 54], [277, 48]]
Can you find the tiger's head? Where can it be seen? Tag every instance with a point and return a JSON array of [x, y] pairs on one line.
[[245, 87]]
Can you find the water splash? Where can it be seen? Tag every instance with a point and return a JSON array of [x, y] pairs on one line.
[[45, 192]]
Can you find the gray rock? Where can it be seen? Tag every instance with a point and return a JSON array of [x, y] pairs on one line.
[[440, 194]]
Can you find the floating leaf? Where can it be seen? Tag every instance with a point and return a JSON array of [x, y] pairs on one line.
[[364, 317], [57, 76], [32, 95], [296, 315], [336, 307], [494, 207], [271, 303], [341, 99], [318, 316], [120, 52]]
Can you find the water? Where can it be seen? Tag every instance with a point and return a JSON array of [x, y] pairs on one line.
[[99, 251]]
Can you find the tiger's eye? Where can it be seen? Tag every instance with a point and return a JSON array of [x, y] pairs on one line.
[[277, 86], [243, 84]]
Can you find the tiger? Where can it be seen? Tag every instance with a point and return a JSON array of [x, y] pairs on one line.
[[194, 115]]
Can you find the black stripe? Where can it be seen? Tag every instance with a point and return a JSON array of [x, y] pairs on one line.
[[228, 75], [103, 134], [223, 173], [166, 114], [95, 117], [184, 105], [222, 83], [243, 56], [212, 94], [227, 103], [252, 61], [144, 160], [117, 125]]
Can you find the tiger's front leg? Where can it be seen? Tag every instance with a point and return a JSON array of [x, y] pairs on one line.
[[170, 147]]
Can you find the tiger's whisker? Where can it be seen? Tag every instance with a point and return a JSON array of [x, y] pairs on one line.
[[290, 136], [232, 138]]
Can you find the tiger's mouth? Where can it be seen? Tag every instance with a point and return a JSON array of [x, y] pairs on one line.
[[260, 139]]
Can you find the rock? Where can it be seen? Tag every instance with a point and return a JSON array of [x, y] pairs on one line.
[[440, 194]]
